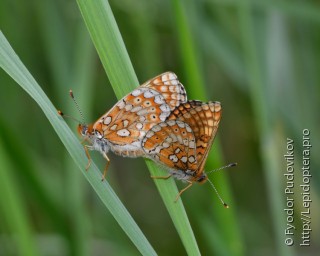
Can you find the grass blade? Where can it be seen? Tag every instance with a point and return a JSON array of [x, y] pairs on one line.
[[111, 49], [14, 209], [190, 55], [264, 121]]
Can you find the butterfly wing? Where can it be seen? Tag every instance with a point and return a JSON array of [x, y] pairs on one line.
[[170, 88], [128, 121], [172, 144], [203, 119]]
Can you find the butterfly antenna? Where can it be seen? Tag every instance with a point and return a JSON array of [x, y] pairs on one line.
[[224, 204], [71, 117], [77, 106], [223, 167]]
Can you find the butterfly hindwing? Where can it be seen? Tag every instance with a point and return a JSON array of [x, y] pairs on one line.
[[189, 151], [203, 119], [171, 144]]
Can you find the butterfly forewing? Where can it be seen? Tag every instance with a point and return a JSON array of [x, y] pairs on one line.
[[170, 88], [151, 103]]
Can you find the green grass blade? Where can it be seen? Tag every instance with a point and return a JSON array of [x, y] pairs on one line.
[[15, 214], [110, 46], [264, 122], [233, 244], [222, 47], [35, 186], [10, 62], [70, 57], [304, 10], [189, 56]]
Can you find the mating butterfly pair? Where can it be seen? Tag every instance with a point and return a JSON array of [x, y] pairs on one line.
[[158, 122]]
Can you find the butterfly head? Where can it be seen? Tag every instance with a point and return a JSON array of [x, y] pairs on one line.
[[83, 129], [202, 178]]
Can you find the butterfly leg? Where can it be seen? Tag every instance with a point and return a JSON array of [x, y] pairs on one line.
[[86, 149], [182, 190], [162, 177], [107, 165]]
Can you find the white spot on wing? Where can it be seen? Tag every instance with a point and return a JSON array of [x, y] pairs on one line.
[[113, 127], [173, 158], [136, 109], [149, 93], [181, 124], [188, 128], [165, 108], [156, 128], [142, 119], [159, 99], [157, 149], [136, 92], [192, 144], [191, 159], [121, 104], [174, 82], [165, 145], [169, 139], [139, 126], [184, 159], [149, 134], [142, 112], [173, 137], [163, 116], [128, 107], [123, 133], [125, 123], [107, 120], [172, 76], [171, 122]]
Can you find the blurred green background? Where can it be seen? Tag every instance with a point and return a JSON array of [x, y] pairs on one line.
[[260, 59]]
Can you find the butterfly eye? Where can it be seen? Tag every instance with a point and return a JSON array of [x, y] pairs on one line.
[[82, 129], [202, 178]]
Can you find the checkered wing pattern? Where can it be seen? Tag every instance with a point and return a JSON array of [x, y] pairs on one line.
[[172, 144], [183, 141], [203, 118], [127, 122]]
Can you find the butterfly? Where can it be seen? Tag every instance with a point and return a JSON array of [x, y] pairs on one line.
[[123, 127], [182, 142]]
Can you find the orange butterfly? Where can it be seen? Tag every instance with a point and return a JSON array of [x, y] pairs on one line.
[[182, 143], [123, 127]]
